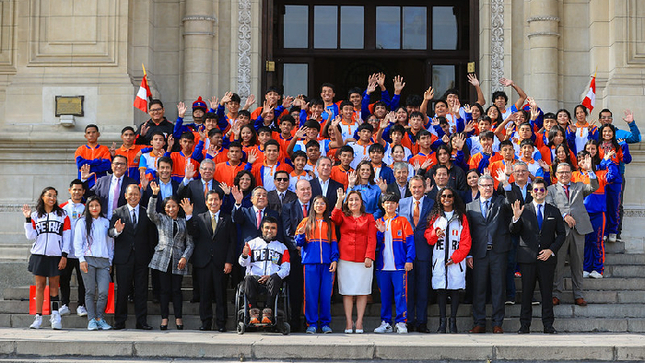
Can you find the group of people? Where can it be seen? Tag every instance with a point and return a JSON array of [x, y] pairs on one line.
[[309, 191]]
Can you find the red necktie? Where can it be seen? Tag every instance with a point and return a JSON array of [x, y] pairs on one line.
[[259, 218], [304, 210], [566, 190]]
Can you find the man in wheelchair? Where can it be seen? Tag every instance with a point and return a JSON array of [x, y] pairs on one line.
[[267, 264]]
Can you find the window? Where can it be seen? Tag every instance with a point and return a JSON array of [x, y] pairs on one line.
[[296, 24], [388, 27], [295, 78], [444, 28], [414, 27], [326, 27], [352, 27]]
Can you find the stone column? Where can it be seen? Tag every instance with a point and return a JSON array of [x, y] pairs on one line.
[[543, 52], [198, 50]]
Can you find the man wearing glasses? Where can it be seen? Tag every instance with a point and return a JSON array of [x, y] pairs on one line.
[[569, 198], [110, 188], [157, 122], [281, 195], [489, 217]]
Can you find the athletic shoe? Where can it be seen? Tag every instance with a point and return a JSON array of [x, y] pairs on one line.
[[255, 315], [383, 328], [518, 274], [266, 316], [585, 274], [595, 275], [401, 328], [64, 310], [92, 325], [311, 330], [326, 330], [103, 325], [81, 311], [38, 321], [509, 302], [611, 238], [55, 320]]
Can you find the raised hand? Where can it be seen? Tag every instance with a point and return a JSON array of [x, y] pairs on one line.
[[472, 79], [399, 84], [247, 250], [187, 206], [629, 116], [286, 102], [380, 226], [227, 98], [225, 188], [609, 154], [428, 185], [214, 101], [266, 109], [517, 209], [470, 126], [113, 149], [181, 109], [144, 128], [340, 197], [352, 178], [249, 101], [426, 164], [26, 211], [543, 165], [171, 142], [381, 184], [468, 109], [445, 139], [371, 88], [501, 176], [301, 132], [381, 80], [441, 233], [428, 95], [459, 141], [144, 182], [252, 157], [416, 166], [85, 172], [203, 135], [505, 82], [155, 188], [190, 170], [237, 194], [455, 107], [119, 225]]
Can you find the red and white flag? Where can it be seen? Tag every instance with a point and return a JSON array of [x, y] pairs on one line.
[[141, 100], [590, 99]]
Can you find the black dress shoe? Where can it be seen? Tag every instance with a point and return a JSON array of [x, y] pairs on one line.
[[163, 327], [194, 299], [118, 327], [524, 330], [423, 329], [550, 330], [180, 327], [412, 328], [205, 328], [144, 327], [130, 298], [222, 329]]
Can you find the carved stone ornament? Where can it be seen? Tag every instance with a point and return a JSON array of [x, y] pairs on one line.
[[496, 44], [244, 49]]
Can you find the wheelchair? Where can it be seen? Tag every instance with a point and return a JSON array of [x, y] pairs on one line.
[[281, 311]]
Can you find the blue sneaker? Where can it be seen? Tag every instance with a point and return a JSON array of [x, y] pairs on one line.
[[103, 325], [92, 325], [326, 330], [311, 330]]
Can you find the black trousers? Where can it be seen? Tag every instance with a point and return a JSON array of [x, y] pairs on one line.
[[127, 275], [252, 289], [296, 289], [170, 285], [490, 268], [66, 276], [419, 285], [212, 287], [542, 273]]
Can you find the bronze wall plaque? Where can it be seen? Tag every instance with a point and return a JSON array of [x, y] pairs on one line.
[[69, 105]]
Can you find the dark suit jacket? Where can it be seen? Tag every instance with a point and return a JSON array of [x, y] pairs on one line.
[[195, 192], [219, 246], [139, 241], [102, 190], [245, 217], [516, 193], [274, 200], [331, 191], [291, 217], [394, 188], [147, 194], [532, 239], [494, 226], [406, 209]]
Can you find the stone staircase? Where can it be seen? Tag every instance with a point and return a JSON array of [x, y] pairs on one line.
[[615, 304]]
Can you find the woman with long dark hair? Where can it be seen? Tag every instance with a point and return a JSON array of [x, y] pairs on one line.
[[449, 233], [50, 229], [363, 180], [95, 250]]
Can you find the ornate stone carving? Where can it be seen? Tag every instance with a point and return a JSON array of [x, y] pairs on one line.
[[244, 49], [496, 44], [543, 18]]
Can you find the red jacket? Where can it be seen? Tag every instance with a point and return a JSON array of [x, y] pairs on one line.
[[357, 236]]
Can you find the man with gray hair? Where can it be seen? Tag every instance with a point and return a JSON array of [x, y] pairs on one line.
[[400, 185], [489, 217], [250, 218], [323, 184], [196, 189]]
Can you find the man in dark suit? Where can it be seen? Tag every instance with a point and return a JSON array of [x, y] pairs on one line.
[[134, 244], [400, 187], [166, 183], [323, 184], [281, 195], [111, 188], [440, 181], [415, 209], [214, 236], [292, 214], [541, 230], [250, 218], [569, 198], [488, 218]]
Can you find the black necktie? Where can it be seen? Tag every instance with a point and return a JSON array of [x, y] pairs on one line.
[[134, 217]]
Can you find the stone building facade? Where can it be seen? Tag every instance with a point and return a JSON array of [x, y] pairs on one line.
[[194, 48]]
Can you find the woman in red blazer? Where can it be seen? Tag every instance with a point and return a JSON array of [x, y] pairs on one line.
[[357, 244]]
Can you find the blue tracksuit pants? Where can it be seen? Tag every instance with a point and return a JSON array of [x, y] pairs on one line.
[[319, 283], [393, 286]]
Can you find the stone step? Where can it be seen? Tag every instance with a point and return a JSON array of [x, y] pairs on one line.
[[189, 345], [614, 259]]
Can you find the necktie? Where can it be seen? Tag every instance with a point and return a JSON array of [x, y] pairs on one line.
[[539, 216], [134, 217], [304, 210], [281, 197], [205, 189], [416, 214], [258, 218], [115, 197], [485, 211], [213, 223], [566, 190]]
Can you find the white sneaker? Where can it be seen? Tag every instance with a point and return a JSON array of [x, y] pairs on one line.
[[585, 274], [81, 311], [401, 328], [612, 237], [595, 275], [38, 321], [55, 320], [64, 310], [384, 328]]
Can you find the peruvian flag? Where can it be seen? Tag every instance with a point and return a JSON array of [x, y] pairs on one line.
[[141, 101], [590, 99]]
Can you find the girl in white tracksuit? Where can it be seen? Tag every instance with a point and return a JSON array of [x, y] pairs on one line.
[[449, 233]]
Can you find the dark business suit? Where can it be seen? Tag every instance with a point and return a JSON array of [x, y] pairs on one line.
[[331, 191], [291, 217], [419, 277], [394, 188], [194, 191], [246, 218], [491, 242], [274, 199], [534, 239], [147, 194], [213, 249], [133, 249], [102, 190]]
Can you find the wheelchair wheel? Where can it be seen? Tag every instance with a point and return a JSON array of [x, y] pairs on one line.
[[286, 329], [240, 327]]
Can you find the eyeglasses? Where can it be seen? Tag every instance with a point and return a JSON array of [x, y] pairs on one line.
[[563, 172], [606, 117], [206, 169], [281, 179], [521, 171], [538, 190], [156, 109], [486, 185], [447, 196], [118, 164]]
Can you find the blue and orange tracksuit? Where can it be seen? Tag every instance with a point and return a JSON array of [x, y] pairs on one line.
[[179, 161], [594, 256], [614, 190], [98, 158], [396, 244], [131, 154], [318, 252]]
